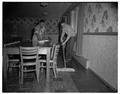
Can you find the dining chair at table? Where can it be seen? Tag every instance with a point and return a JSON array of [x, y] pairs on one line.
[[13, 59], [29, 62], [52, 61]]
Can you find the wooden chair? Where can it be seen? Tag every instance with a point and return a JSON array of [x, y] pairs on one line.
[[29, 61], [13, 59], [53, 59]]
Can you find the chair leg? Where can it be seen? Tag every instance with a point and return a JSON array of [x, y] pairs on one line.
[[55, 73], [54, 70], [42, 67], [37, 73], [10, 68], [21, 75], [20, 82]]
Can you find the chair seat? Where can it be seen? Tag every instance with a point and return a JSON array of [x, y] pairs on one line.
[[29, 70], [29, 64], [14, 60], [15, 66], [45, 60]]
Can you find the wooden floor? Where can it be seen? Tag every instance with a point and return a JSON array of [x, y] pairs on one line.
[[81, 80]]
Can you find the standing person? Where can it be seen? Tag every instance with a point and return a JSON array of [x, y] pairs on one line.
[[68, 35], [39, 32]]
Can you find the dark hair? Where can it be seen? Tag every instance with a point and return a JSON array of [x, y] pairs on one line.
[[62, 20], [32, 33], [41, 21]]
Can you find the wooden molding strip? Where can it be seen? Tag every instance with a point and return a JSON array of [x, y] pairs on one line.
[[102, 33], [8, 44]]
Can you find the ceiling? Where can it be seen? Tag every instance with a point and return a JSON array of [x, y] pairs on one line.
[[34, 9]]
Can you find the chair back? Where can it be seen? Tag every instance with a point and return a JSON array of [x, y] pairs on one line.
[[54, 52], [28, 53]]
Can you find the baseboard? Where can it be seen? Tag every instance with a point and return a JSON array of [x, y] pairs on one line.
[[83, 61], [104, 82]]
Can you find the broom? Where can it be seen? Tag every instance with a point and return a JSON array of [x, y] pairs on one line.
[[65, 69]]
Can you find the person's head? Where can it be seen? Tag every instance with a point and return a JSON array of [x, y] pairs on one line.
[[62, 22], [42, 23], [40, 26]]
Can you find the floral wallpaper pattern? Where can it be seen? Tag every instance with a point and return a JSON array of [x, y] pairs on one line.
[[100, 17], [51, 24], [23, 27]]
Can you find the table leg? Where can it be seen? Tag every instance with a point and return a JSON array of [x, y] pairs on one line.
[[5, 65], [48, 65], [47, 87]]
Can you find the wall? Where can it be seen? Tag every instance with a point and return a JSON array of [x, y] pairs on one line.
[[100, 17], [34, 9], [101, 50], [22, 28]]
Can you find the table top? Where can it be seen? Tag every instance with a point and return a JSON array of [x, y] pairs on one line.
[[28, 44]]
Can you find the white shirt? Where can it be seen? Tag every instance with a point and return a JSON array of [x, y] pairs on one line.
[[68, 30]]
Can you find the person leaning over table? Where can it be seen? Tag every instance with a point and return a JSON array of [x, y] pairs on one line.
[[39, 33]]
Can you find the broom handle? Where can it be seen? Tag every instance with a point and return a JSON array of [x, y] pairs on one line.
[[63, 49]]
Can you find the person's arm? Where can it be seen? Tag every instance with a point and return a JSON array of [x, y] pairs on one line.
[[34, 40], [67, 30], [42, 30], [68, 37], [62, 35]]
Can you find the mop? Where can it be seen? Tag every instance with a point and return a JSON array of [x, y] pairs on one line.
[[65, 69]]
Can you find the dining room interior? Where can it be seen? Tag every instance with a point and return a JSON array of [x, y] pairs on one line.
[[86, 62]]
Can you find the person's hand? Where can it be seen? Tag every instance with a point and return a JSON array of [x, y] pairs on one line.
[[51, 42], [63, 44], [61, 41]]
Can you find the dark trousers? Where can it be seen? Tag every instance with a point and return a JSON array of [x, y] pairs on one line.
[[69, 48]]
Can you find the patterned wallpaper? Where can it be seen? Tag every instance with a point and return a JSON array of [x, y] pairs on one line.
[[100, 17], [22, 27], [51, 24]]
